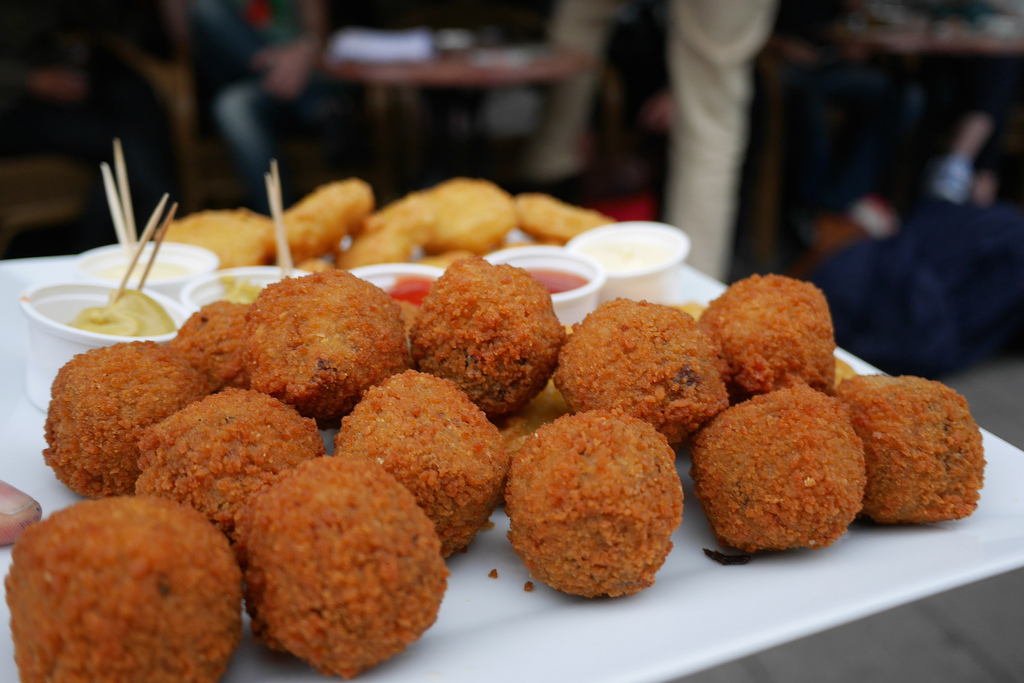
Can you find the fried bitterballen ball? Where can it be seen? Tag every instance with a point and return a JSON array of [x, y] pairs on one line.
[[319, 341], [492, 330], [781, 470], [215, 454], [129, 588], [774, 331], [647, 360], [212, 340], [592, 501], [239, 237], [472, 214], [316, 224], [550, 220], [924, 455], [101, 403], [392, 234], [430, 436], [342, 568]]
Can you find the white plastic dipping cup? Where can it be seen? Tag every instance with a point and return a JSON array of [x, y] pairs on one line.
[[211, 287], [176, 265], [52, 342], [572, 305], [642, 259]]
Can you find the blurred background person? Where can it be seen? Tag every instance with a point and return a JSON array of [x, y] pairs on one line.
[[710, 48]]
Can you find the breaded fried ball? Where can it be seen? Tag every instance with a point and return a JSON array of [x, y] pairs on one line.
[[782, 470], [430, 436], [211, 340], [924, 455], [319, 341], [239, 237], [592, 501], [492, 330], [647, 360], [315, 225], [550, 220], [101, 403], [215, 454], [774, 331], [472, 214], [124, 589], [342, 567]]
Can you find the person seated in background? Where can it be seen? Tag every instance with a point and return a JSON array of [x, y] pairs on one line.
[[62, 92], [258, 60]]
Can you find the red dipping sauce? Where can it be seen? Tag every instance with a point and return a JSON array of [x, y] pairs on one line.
[[556, 281], [411, 288]]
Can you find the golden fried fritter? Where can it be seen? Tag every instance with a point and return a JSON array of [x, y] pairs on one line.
[[925, 461], [102, 401], [782, 470], [430, 436], [445, 259], [124, 589], [342, 567], [774, 331], [316, 223], [392, 234], [211, 340], [238, 236], [550, 220], [319, 341], [215, 454], [592, 502], [472, 214], [492, 330], [647, 360]]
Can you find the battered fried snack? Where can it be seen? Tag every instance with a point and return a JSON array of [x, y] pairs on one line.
[[315, 265], [319, 341], [430, 436], [238, 236], [550, 220], [102, 401], [647, 360], [316, 223], [924, 455], [781, 470], [445, 259], [215, 454], [124, 589], [491, 330], [211, 340], [774, 331], [392, 234], [472, 214], [546, 407], [592, 501], [386, 577]]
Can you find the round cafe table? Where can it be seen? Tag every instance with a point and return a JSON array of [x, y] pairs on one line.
[[453, 85]]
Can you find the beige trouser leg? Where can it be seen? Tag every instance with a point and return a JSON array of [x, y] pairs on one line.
[[711, 49]]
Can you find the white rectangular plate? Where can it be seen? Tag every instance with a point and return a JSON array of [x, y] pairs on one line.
[[698, 613]]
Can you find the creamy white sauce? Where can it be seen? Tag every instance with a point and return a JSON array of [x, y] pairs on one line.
[[159, 271], [619, 257]]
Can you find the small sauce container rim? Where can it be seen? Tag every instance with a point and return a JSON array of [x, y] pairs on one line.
[[595, 274], [208, 261], [197, 281]]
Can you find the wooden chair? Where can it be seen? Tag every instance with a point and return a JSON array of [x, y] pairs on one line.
[[40, 191]]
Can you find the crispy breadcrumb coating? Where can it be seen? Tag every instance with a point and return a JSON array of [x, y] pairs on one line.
[[101, 403], [319, 341], [924, 455], [124, 589], [342, 567], [592, 501], [774, 331], [490, 329], [647, 360], [781, 470], [430, 436], [212, 340], [216, 453]]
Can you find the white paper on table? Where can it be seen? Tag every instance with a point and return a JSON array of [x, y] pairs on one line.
[[357, 44]]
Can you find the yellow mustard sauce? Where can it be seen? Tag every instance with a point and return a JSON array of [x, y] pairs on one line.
[[239, 290], [133, 315]]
